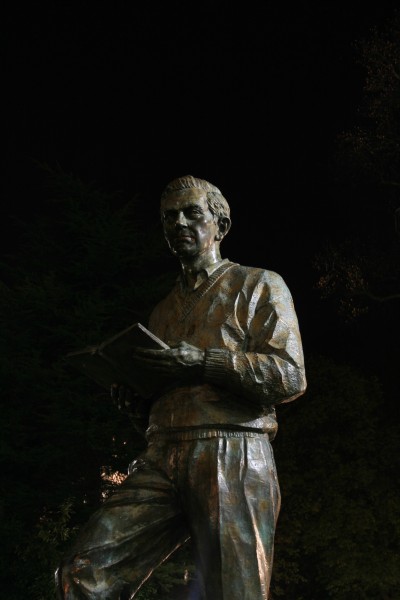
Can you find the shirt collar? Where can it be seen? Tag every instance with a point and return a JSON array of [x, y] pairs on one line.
[[204, 274]]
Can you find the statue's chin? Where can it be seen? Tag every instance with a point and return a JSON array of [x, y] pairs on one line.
[[183, 250]]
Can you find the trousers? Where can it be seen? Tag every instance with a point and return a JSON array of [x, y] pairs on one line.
[[222, 492]]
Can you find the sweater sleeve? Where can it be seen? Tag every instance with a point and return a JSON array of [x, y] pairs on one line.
[[270, 370]]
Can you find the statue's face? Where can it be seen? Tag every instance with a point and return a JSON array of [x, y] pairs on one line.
[[189, 226]]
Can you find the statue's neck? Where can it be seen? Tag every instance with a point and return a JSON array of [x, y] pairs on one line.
[[191, 268]]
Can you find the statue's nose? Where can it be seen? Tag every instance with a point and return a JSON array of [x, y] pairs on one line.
[[180, 220]]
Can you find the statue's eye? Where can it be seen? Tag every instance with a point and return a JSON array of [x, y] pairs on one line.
[[194, 212]]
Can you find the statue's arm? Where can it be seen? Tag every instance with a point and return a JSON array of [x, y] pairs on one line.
[[271, 370]]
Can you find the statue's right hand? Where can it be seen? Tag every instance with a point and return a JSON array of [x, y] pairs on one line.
[[122, 397]]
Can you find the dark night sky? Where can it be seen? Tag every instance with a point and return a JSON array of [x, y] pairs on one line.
[[250, 97]]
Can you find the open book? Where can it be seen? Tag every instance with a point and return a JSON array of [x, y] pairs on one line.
[[110, 362]]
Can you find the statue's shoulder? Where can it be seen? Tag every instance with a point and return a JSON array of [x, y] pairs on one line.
[[263, 284], [259, 275]]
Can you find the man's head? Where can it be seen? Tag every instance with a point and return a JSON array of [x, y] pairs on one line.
[[195, 217], [217, 204]]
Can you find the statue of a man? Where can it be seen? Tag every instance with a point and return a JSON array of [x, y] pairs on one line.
[[208, 471]]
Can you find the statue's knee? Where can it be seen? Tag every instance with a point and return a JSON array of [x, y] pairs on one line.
[[67, 579]]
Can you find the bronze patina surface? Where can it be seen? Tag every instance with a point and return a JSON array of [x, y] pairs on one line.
[[208, 471]]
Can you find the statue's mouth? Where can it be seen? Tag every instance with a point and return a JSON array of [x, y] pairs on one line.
[[184, 238]]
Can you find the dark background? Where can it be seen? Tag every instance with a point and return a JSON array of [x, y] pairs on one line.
[[251, 97]]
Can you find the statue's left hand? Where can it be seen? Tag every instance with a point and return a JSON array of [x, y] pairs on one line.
[[183, 361]]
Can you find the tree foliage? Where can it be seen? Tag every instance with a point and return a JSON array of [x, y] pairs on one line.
[[339, 529], [79, 273], [371, 149], [358, 275], [362, 272]]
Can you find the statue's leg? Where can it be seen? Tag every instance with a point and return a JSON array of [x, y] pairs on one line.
[[232, 500], [135, 530]]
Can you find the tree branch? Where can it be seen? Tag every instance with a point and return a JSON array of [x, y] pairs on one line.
[[376, 298]]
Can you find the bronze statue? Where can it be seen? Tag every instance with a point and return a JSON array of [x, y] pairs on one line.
[[208, 471]]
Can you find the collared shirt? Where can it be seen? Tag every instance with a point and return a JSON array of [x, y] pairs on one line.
[[203, 275], [244, 319]]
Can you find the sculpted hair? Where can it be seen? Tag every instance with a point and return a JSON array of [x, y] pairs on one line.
[[217, 204]]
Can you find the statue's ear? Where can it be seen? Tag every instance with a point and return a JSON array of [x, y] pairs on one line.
[[224, 225]]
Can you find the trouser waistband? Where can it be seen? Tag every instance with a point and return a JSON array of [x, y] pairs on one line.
[[198, 434]]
